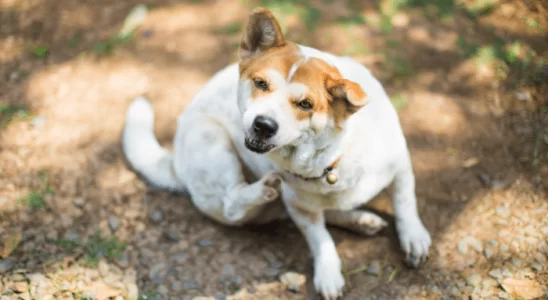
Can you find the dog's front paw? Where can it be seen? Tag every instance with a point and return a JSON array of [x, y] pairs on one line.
[[271, 186], [414, 240], [328, 280]]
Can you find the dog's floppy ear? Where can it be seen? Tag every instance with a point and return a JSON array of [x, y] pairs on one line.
[[261, 33], [347, 96]]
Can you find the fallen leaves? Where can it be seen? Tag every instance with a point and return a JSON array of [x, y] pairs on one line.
[[522, 288]]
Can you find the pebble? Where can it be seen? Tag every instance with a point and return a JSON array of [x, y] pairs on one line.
[[71, 236], [293, 281], [179, 258], [38, 122], [78, 202], [506, 273], [435, 289], [493, 243], [516, 262], [227, 271], [544, 230], [488, 282], [156, 216], [502, 211], [123, 262], [2, 201], [453, 291], [172, 236], [475, 244], [271, 272], [374, 268], [52, 235], [488, 252], [205, 243], [536, 266], [177, 286], [6, 265], [496, 274], [462, 247], [113, 223], [191, 284], [19, 287], [540, 258], [473, 280], [251, 290], [504, 248]]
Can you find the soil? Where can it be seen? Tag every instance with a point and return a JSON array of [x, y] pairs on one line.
[[479, 145]]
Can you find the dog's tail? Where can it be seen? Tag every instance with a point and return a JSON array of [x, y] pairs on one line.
[[142, 150]]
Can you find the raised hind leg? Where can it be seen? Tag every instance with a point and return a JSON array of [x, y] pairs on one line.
[[359, 221]]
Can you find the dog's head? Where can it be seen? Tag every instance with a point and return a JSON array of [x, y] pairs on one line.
[[284, 96]]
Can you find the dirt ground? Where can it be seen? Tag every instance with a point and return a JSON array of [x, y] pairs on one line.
[[470, 83]]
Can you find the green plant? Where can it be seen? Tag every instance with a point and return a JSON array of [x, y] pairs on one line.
[[10, 112], [100, 246], [36, 200]]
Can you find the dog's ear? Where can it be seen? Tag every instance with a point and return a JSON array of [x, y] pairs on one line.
[[261, 33], [347, 96]]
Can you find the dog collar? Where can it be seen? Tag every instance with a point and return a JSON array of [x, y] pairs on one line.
[[330, 177]]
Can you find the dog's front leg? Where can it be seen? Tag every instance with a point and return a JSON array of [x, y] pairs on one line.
[[328, 279]]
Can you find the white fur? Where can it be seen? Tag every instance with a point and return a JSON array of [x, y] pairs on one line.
[[210, 156]]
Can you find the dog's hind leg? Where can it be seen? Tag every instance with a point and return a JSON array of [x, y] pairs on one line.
[[212, 172], [359, 221]]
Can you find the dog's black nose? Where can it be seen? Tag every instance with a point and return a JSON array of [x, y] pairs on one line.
[[265, 127]]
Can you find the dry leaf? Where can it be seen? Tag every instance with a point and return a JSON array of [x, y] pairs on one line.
[[11, 244], [470, 162], [522, 288]]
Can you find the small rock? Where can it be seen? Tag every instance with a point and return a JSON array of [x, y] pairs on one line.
[[123, 262], [374, 268], [205, 243], [191, 284], [502, 211], [172, 236], [540, 258], [147, 33], [497, 184], [493, 243], [536, 266], [475, 244], [163, 290], [516, 262], [462, 247], [435, 289], [52, 235], [19, 287], [156, 273], [294, 281], [473, 280], [453, 291], [251, 290], [544, 230], [103, 268], [132, 290], [78, 202], [271, 272], [485, 179], [38, 122], [488, 252], [6, 265], [179, 258], [89, 295], [227, 271], [113, 223], [506, 273], [71, 236], [156, 216], [2, 201], [489, 282], [496, 274], [177, 286]]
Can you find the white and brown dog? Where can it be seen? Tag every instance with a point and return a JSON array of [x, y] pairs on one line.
[[289, 122]]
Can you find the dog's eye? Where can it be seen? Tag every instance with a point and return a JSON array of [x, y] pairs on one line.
[[260, 84], [305, 104]]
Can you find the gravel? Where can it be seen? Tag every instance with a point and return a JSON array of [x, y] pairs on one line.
[[474, 280], [502, 211], [113, 223], [462, 247], [156, 216], [374, 268], [488, 252], [496, 274], [205, 243], [6, 265]]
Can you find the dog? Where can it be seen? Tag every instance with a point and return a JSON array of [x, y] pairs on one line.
[[288, 129]]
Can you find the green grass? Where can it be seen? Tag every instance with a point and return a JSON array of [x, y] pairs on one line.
[[41, 51], [36, 200], [100, 246], [97, 246], [9, 113]]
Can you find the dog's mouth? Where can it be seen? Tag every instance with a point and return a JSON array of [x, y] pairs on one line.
[[258, 146]]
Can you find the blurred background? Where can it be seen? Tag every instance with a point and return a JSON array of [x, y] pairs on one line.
[[469, 79]]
